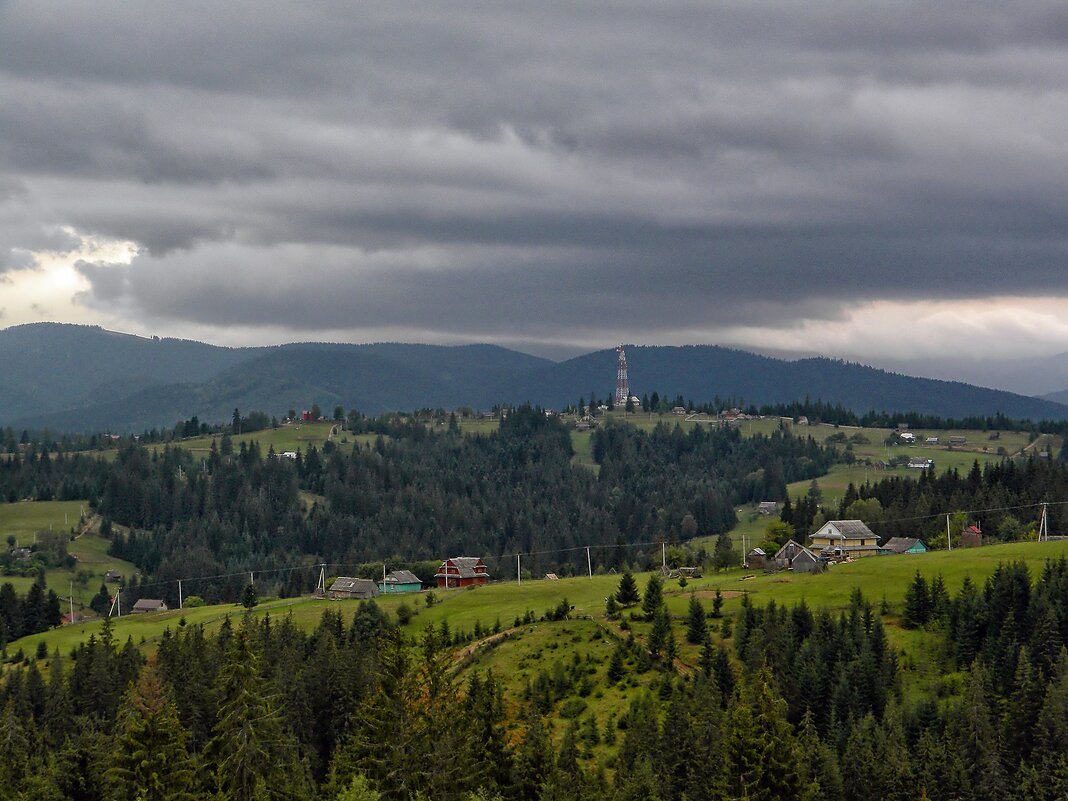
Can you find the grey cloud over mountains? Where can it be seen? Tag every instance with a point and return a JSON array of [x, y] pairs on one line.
[[542, 169]]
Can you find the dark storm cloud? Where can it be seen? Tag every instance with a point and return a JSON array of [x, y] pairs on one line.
[[538, 168]]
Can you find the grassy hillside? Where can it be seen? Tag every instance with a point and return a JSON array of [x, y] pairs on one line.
[[22, 520], [878, 577]]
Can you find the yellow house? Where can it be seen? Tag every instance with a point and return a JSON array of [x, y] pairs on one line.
[[845, 538]]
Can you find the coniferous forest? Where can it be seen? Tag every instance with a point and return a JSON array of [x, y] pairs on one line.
[[779, 703], [792, 704], [415, 496]]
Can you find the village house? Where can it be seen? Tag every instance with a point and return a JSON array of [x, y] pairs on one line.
[[904, 545], [958, 440], [680, 410], [768, 508], [920, 462], [932, 440], [400, 581], [845, 538], [21, 554], [461, 571], [113, 575], [347, 587], [907, 437], [148, 605]]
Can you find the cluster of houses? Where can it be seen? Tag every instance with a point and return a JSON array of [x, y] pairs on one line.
[[454, 573], [835, 541]]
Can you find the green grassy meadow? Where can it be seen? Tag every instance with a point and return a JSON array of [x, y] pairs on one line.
[[24, 518]]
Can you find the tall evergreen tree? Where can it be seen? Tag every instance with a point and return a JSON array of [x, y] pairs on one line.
[[917, 603], [653, 598], [696, 625], [150, 761], [251, 753], [627, 592]]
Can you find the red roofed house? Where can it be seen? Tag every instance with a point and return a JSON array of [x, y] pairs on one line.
[[462, 571], [971, 537]]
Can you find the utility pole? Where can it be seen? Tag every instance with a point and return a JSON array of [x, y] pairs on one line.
[[180, 594], [72, 602], [663, 555], [589, 563], [1043, 525], [518, 573], [949, 536]]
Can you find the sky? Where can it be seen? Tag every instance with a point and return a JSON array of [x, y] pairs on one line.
[[879, 181]]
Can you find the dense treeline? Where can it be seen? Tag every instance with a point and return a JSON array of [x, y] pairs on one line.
[[1007, 493], [416, 495], [38, 610], [819, 411]]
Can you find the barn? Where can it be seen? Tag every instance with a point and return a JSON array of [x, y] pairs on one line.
[[346, 587]]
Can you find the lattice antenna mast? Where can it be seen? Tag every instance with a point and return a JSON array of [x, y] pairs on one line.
[[622, 383]]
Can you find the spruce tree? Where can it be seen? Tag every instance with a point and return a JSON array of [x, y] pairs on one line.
[[250, 751], [150, 761], [248, 597], [696, 628], [972, 731], [654, 597], [717, 604], [917, 603], [616, 667], [627, 593]]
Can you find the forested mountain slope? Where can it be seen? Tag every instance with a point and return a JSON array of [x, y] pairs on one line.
[[75, 378]]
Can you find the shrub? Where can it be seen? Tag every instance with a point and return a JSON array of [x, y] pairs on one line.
[[572, 708]]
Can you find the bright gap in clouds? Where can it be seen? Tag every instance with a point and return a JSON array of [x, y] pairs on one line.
[[47, 288], [989, 328]]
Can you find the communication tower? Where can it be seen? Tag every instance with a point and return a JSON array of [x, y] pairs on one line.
[[622, 383]]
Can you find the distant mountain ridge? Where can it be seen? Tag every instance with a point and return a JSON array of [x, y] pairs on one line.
[[82, 378]]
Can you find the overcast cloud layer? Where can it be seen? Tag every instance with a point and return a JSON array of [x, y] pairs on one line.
[[542, 172]]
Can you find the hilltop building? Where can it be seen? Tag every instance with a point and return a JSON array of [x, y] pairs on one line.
[[623, 383]]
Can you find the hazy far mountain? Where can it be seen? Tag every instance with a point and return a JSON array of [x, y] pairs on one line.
[[83, 378]]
